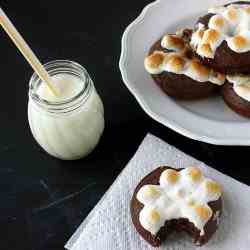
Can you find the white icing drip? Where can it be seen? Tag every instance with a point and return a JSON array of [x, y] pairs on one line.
[[241, 85], [229, 22], [233, 46], [176, 198]]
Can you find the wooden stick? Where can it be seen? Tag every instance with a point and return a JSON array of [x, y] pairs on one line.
[[25, 50]]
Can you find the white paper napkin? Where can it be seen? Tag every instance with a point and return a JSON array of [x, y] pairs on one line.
[[109, 225]]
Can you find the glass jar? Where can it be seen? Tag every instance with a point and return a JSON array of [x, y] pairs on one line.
[[68, 129]]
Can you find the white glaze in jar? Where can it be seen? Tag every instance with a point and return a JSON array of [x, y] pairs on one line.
[[70, 125]]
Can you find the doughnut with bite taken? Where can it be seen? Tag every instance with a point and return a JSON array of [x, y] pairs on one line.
[[169, 200]]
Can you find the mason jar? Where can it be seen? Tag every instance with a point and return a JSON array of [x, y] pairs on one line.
[[67, 129]]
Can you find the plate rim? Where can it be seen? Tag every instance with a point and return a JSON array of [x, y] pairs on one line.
[[227, 141]]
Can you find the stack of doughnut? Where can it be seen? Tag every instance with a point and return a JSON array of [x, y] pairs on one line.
[[212, 58]]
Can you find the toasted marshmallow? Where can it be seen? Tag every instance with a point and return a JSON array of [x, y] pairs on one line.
[[212, 187], [239, 42], [151, 219], [153, 63], [197, 37], [197, 71], [153, 216], [231, 14], [210, 36], [247, 10], [151, 191], [200, 34], [175, 64], [148, 193], [194, 174], [169, 177], [180, 63], [172, 42], [203, 212], [217, 22], [213, 38], [198, 214], [205, 50]]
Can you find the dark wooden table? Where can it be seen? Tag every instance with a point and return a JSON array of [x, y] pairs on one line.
[[43, 200]]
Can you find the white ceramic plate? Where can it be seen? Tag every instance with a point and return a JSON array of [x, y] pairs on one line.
[[207, 120]]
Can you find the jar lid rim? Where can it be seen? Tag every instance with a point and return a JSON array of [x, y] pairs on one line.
[[70, 102]]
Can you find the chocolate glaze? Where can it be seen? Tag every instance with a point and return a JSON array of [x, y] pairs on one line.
[[225, 60], [175, 225], [234, 101]]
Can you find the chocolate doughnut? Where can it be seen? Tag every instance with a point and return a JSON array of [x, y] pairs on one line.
[[173, 200], [178, 73], [222, 38]]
